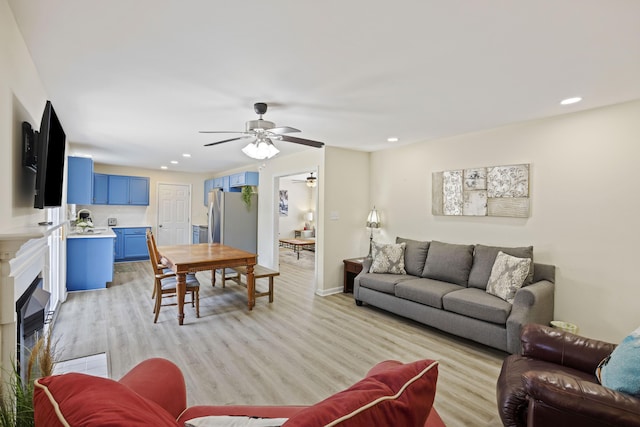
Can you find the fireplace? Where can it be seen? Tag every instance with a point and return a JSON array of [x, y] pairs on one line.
[[32, 263], [31, 316]]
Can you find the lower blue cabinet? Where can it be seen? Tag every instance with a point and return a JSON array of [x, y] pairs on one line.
[[89, 263], [131, 244]]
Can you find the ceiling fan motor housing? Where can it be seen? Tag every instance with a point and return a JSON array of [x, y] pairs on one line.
[[253, 125]]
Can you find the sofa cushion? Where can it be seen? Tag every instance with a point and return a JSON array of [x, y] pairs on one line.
[[425, 291], [415, 255], [387, 258], [84, 400], [507, 276], [448, 262], [382, 282], [398, 396], [485, 256], [477, 304]]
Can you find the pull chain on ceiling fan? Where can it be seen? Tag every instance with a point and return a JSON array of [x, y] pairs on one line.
[[263, 132]]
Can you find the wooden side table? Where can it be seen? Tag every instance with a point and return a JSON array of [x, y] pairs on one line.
[[352, 267]]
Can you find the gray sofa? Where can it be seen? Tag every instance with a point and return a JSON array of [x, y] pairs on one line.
[[445, 287]]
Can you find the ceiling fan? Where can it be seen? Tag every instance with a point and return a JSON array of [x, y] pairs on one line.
[[263, 132]]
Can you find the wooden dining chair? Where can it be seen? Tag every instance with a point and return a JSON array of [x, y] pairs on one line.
[[165, 281]]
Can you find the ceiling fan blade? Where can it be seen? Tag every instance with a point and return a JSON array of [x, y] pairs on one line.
[[220, 131], [225, 140], [283, 129], [302, 141]]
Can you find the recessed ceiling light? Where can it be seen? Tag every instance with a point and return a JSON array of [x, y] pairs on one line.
[[392, 139], [570, 101], [163, 167], [174, 162], [186, 155]]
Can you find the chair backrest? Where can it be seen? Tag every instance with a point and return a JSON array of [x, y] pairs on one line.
[[153, 253]]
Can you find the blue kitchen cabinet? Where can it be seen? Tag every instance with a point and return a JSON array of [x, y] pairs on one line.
[[118, 247], [89, 263], [128, 190], [131, 243], [100, 189], [79, 180], [118, 190], [138, 191], [243, 178]]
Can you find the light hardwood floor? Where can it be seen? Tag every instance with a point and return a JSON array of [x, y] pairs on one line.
[[298, 350]]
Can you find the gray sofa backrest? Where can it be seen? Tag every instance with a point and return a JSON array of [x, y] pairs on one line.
[[544, 272]]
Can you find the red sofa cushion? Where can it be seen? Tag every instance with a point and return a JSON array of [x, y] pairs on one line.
[[84, 400], [400, 395]]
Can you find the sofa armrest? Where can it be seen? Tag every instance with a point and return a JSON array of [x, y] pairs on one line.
[[532, 304], [566, 400], [366, 265], [160, 381], [563, 348]]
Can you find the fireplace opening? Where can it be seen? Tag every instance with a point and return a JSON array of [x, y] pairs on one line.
[[32, 315]]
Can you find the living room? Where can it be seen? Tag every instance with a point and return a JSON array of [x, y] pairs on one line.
[[583, 191]]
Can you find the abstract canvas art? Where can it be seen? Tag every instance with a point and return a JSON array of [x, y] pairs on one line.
[[283, 205], [486, 191]]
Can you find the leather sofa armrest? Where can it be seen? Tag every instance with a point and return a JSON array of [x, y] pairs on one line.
[[160, 381], [567, 400], [563, 348]]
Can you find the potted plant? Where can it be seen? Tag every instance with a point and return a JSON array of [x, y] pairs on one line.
[[247, 192]]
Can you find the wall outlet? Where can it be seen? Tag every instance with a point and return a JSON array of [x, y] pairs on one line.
[[112, 221]]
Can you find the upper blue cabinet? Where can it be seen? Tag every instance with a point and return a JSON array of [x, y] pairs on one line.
[[243, 178], [230, 183], [120, 190], [79, 180]]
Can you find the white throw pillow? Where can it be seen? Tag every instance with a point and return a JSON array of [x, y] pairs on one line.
[[507, 276], [387, 258]]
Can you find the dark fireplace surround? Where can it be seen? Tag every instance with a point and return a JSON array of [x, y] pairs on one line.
[[31, 311]]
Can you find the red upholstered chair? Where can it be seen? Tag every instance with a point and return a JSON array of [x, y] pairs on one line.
[[154, 393]]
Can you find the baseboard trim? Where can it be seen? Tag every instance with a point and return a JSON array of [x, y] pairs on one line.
[[330, 291]]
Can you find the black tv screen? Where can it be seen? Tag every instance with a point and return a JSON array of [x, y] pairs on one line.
[[50, 163]]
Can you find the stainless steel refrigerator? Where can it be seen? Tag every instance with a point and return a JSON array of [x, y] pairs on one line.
[[231, 222]]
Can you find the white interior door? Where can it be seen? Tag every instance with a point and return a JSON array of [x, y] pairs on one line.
[[174, 213]]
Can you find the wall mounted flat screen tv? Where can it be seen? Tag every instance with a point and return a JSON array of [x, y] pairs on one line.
[[51, 143]]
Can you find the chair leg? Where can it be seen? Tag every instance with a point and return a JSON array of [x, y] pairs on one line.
[[158, 305], [271, 289], [197, 293]]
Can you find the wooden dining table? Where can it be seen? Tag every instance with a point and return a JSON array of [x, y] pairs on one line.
[[183, 259]]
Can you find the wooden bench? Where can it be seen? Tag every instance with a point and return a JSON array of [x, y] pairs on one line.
[[259, 272]]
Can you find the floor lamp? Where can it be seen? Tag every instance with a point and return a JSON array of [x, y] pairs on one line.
[[373, 221]]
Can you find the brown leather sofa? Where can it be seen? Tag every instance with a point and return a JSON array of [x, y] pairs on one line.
[[553, 383]]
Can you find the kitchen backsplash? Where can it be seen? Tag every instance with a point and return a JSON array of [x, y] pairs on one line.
[[126, 215]]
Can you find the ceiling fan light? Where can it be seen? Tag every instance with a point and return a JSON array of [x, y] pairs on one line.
[[312, 181], [260, 149]]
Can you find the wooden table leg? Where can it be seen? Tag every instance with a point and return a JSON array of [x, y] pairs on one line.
[[213, 277], [270, 289], [251, 287], [181, 289]]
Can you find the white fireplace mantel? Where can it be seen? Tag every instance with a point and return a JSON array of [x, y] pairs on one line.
[[24, 254]]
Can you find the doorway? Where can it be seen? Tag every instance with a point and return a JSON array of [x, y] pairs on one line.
[[297, 220], [174, 214]]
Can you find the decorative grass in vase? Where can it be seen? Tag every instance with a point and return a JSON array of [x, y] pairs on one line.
[[16, 398]]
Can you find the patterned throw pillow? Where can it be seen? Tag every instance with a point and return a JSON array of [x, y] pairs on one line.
[[387, 258], [507, 276], [621, 369]]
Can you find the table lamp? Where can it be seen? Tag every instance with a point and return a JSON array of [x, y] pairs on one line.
[[373, 221]]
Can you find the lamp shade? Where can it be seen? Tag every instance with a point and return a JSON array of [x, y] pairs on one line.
[[308, 216], [260, 149], [373, 220]]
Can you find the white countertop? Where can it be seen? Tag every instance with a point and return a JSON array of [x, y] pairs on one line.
[[130, 226], [96, 233]]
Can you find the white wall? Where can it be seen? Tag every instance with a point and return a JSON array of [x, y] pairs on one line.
[[584, 206], [22, 98]]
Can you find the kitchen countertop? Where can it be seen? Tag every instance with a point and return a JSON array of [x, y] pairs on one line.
[[98, 232], [130, 226]]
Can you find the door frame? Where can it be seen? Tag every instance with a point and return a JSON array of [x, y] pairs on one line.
[[189, 222]]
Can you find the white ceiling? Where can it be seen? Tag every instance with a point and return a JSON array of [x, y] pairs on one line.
[[134, 81]]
